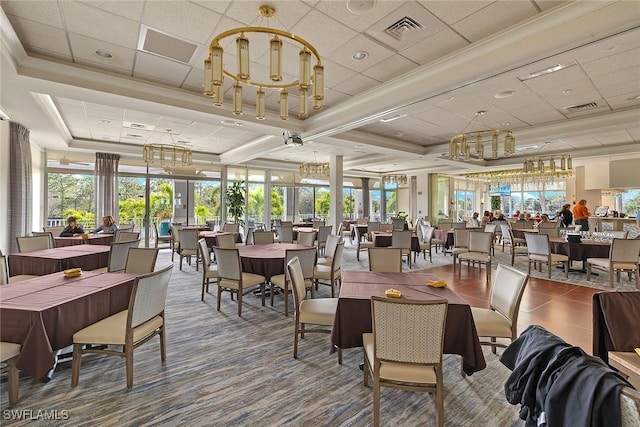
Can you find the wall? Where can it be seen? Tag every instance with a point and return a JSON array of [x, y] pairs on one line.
[[593, 197], [422, 199], [4, 186]]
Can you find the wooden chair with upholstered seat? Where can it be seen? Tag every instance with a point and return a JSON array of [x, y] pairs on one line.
[[9, 353], [500, 320], [141, 260], [162, 238], [55, 230], [4, 273], [285, 234], [460, 244], [385, 259], [518, 246], [125, 236], [425, 238], [232, 279], [175, 239], [623, 257], [209, 271], [307, 258], [330, 275], [230, 227], [313, 311], [402, 239], [404, 351], [361, 245], [118, 255], [323, 234], [539, 253], [33, 243], [188, 246], [130, 328], [263, 237], [226, 241], [479, 251], [330, 250], [307, 238], [45, 233]]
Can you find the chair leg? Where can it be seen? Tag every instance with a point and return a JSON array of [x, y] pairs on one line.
[[295, 338], [13, 382], [365, 369], [439, 400], [611, 277], [240, 302], [286, 298], [75, 364], [588, 272], [219, 295], [376, 401], [163, 343], [262, 288], [128, 355], [339, 356]]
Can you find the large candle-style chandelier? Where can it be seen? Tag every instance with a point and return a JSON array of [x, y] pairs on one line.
[[314, 170], [461, 145], [310, 82], [164, 153], [537, 165], [397, 179]]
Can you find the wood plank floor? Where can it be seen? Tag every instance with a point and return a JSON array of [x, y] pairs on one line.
[[561, 308]]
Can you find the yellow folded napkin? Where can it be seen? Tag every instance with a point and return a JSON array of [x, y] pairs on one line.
[[638, 351], [393, 293], [437, 283], [73, 272]]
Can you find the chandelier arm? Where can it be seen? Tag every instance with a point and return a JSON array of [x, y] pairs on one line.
[[216, 41], [259, 84]]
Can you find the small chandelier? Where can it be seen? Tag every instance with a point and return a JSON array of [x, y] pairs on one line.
[[314, 170], [397, 179], [460, 145], [537, 165], [166, 152], [310, 81]]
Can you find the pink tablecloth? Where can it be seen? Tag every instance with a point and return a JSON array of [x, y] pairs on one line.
[[353, 315], [43, 313]]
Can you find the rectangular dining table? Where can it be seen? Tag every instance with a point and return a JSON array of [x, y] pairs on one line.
[[43, 313], [353, 314], [92, 239], [47, 261]]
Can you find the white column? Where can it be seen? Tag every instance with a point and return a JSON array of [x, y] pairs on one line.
[[335, 191]]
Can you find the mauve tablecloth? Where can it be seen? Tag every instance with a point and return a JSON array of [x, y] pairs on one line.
[[266, 260], [353, 315], [43, 313], [95, 239], [47, 261]]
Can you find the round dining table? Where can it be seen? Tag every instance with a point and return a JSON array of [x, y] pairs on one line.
[[266, 260]]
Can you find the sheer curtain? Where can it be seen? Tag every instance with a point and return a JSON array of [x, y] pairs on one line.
[[365, 198], [21, 184], [106, 186]]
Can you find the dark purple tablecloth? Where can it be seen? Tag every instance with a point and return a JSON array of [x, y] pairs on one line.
[[383, 240], [43, 313], [353, 315], [266, 260], [96, 239], [580, 251], [211, 237], [47, 261], [616, 316]]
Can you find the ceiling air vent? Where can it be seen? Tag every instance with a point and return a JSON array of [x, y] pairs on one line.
[[582, 107], [403, 28]]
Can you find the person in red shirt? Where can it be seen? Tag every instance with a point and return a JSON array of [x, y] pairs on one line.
[[581, 215]]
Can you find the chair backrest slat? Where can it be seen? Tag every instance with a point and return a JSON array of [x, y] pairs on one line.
[[385, 259], [506, 291], [263, 237]]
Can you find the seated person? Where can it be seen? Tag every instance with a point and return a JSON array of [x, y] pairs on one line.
[[108, 225], [522, 217], [72, 229]]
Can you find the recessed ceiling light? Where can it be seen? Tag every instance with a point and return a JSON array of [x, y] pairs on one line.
[[104, 54], [505, 94], [106, 122], [231, 123], [359, 7], [358, 146], [360, 55], [133, 135], [549, 70], [566, 91]]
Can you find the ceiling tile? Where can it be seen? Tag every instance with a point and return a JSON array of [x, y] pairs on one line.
[[216, 5], [359, 22], [435, 46], [356, 84], [335, 74], [376, 52], [160, 69], [323, 32], [41, 38], [451, 12], [126, 9], [394, 66], [190, 21], [83, 52], [287, 14], [496, 16], [44, 12], [626, 59], [95, 23]]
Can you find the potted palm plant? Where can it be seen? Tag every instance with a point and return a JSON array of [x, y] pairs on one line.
[[235, 197]]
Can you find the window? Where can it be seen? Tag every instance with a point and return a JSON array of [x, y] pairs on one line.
[[70, 194]]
